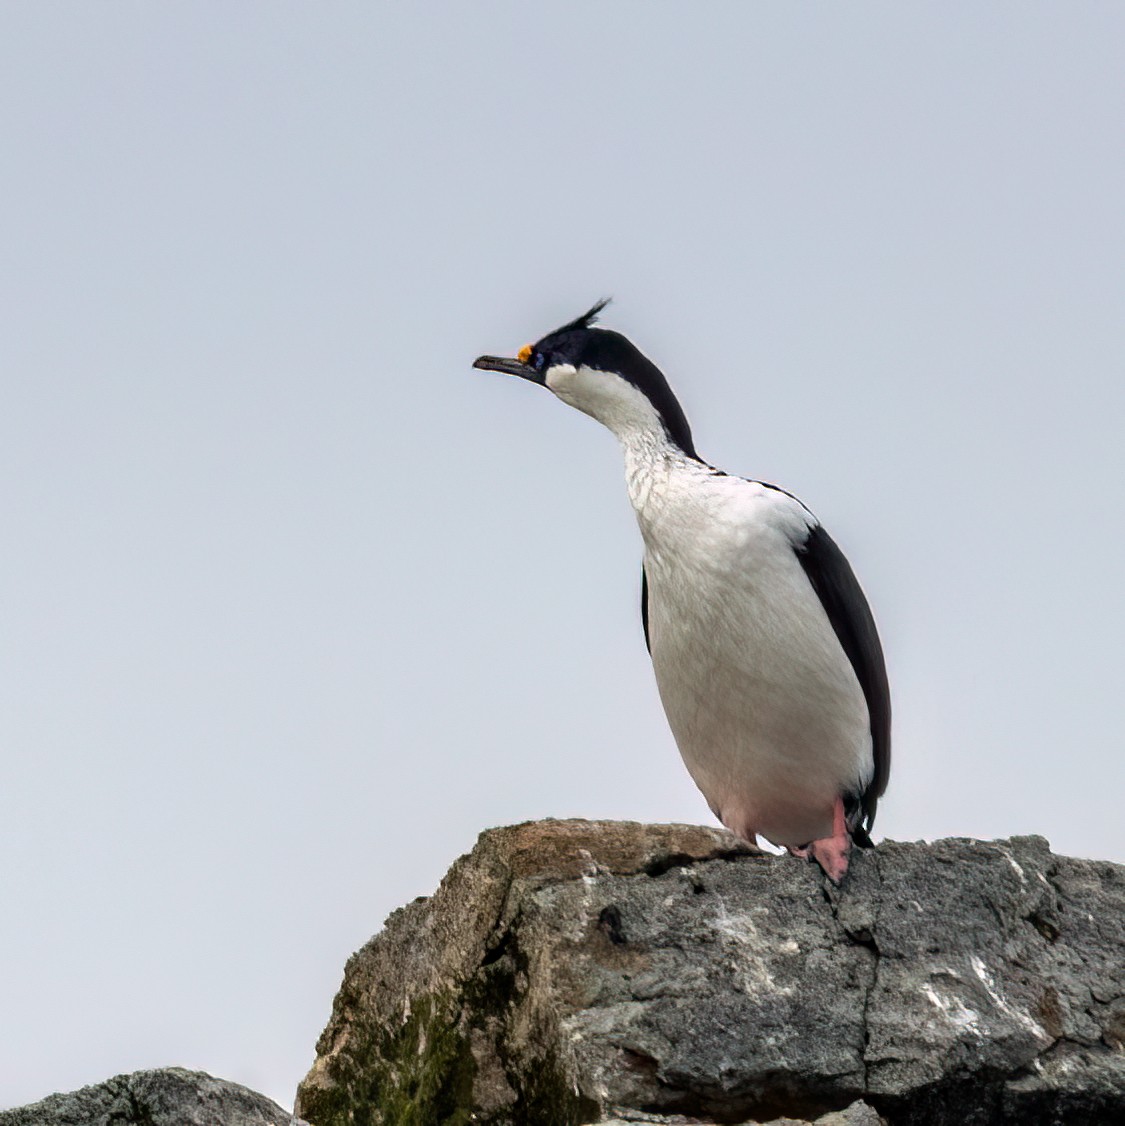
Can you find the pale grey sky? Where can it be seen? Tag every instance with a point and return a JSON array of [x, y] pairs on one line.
[[295, 602]]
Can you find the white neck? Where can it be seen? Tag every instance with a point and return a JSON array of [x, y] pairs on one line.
[[651, 461], [651, 457]]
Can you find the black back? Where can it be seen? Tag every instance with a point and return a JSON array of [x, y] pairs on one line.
[[843, 600]]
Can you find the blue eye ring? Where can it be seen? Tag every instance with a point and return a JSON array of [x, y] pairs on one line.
[[538, 360]]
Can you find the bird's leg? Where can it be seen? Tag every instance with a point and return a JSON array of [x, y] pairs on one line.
[[831, 853]]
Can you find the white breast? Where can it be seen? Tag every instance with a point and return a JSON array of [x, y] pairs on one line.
[[761, 698]]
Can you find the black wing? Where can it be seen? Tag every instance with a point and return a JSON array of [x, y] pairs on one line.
[[644, 607], [835, 583]]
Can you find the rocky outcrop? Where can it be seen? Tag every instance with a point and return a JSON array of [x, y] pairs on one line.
[[166, 1097], [572, 972], [575, 972]]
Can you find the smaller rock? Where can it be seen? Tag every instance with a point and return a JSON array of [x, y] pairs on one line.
[[858, 1114], [168, 1096]]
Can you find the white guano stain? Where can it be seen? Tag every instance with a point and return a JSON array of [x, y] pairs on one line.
[[968, 1020], [1015, 866], [1023, 1019]]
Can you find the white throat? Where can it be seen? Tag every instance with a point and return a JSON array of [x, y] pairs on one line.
[[650, 455], [613, 401]]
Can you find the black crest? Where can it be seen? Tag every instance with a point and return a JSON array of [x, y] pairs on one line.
[[587, 320]]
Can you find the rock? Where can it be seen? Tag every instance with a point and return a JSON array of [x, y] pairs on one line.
[[858, 1114], [575, 972], [166, 1097]]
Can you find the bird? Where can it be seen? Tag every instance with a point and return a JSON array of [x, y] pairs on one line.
[[767, 658]]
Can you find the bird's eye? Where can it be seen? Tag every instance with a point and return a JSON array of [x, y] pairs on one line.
[[538, 360]]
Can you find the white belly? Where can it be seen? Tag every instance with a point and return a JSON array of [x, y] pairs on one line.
[[761, 698]]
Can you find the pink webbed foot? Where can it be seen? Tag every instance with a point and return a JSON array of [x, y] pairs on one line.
[[831, 853]]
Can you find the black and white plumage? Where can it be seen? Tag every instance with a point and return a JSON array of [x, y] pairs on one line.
[[766, 655]]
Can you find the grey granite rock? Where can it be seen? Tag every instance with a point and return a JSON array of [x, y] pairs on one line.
[[571, 972], [165, 1097]]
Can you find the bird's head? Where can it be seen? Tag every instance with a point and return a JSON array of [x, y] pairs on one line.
[[602, 374]]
